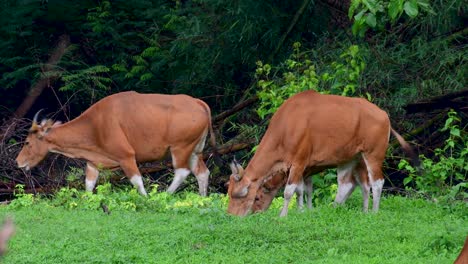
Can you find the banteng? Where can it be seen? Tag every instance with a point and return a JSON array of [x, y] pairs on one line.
[[125, 128], [270, 188], [313, 130]]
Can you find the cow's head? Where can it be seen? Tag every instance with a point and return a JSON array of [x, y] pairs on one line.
[[267, 192], [241, 191], [36, 145]]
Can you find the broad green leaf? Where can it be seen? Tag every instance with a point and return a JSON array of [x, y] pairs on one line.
[[395, 7], [411, 8], [407, 180], [358, 17], [371, 5], [354, 5], [455, 132], [371, 20]]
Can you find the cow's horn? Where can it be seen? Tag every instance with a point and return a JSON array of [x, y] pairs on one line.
[[36, 116]]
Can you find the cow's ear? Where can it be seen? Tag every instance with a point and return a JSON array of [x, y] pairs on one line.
[[240, 188], [241, 192], [47, 125]]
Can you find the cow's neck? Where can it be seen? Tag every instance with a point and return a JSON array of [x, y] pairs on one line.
[[264, 164], [71, 139]]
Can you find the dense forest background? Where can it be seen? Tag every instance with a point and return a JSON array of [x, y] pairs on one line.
[[242, 58]]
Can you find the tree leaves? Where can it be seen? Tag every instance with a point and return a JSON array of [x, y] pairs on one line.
[[411, 8]]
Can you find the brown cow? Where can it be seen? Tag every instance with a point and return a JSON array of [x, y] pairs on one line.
[[463, 257], [125, 128], [270, 188], [314, 130]]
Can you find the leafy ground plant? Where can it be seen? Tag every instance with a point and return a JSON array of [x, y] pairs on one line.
[[191, 229], [446, 174]]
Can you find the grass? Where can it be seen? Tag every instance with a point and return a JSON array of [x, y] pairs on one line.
[[404, 231]]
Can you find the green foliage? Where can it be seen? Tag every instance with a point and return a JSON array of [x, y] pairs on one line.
[[447, 174], [91, 78], [298, 74], [120, 200], [376, 14], [22, 199], [325, 187], [50, 234], [344, 74]]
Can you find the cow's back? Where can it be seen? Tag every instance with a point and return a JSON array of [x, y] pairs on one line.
[[327, 129], [151, 123]]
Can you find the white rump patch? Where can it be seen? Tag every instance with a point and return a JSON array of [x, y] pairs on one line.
[[201, 144], [193, 163], [137, 181]]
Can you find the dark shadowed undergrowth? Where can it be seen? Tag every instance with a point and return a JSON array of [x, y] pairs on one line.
[[188, 229]]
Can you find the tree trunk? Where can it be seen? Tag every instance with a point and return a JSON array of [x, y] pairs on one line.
[[36, 90]]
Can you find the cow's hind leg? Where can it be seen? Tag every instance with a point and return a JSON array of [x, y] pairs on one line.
[[130, 169], [361, 176], [346, 183], [376, 179], [294, 180], [300, 196], [198, 167], [308, 190], [180, 162], [201, 172], [92, 175]]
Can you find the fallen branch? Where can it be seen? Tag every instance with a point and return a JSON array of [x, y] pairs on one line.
[[413, 133], [238, 107], [456, 100]]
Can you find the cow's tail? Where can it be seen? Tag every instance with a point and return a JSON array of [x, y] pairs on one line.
[[408, 149], [212, 139]]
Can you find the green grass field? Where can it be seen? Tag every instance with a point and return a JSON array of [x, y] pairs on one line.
[[404, 231]]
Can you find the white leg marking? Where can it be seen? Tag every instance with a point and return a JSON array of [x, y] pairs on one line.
[[137, 181], [376, 193], [376, 185], [345, 187], [309, 190], [344, 190], [365, 197], [91, 172], [179, 177], [300, 196], [288, 193], [202, 179], [90, 184]]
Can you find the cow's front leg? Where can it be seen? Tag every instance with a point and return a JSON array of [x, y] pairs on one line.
[[130, 169], [294, 180], [300, 196], [92, 175], [308, 190]]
